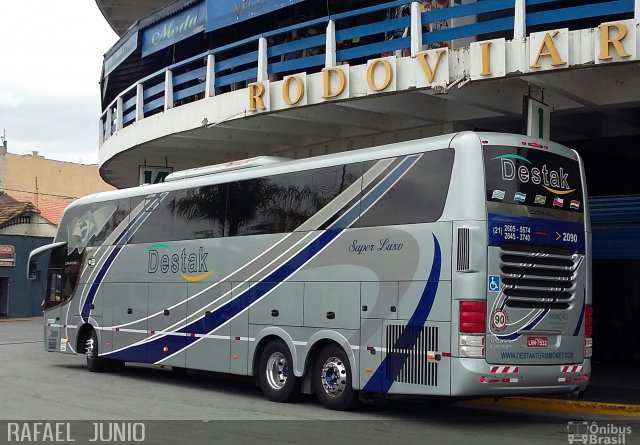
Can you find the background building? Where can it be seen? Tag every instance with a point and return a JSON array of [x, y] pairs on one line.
[[34, 192]]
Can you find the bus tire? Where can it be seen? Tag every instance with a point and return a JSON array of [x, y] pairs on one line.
[[94, 362], [333, 381], [275, 373]]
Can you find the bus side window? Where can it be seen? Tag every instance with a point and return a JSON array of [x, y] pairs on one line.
[[418, 197], [109, 215], [158, 225], [321, 186], [200, 212], [258, 206], [281, 203]]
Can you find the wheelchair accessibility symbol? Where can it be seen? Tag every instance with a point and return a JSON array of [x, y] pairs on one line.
[[494, 283]]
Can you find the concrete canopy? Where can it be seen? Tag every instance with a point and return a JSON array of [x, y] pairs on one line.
[[121, 14]]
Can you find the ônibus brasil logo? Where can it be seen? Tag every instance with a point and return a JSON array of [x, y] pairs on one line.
[[554, 181], [191, 266]]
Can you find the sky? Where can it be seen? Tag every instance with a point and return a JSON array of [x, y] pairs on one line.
[[50, 63]]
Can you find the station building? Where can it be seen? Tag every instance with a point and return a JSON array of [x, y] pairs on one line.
[[198, 82]]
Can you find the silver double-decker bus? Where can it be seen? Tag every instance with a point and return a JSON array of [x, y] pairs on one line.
[[456, 265]]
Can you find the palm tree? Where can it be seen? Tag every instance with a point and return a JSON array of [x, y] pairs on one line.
[[204, 203]]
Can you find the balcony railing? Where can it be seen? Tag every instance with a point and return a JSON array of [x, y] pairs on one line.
[[295, 49]]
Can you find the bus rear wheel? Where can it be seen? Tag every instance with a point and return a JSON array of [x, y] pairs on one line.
[[332, 379], [275, 373]]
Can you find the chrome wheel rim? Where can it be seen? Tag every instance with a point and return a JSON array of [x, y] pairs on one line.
[[334, 377], [277, 370]]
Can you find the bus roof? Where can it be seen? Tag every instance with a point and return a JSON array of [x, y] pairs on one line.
[[275, 166], [285, 166]]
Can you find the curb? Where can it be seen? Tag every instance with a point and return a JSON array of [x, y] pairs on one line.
[[12, 320], [567, 406]]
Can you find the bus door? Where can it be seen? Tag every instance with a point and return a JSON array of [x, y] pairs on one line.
[[53, 310], [62, 280]]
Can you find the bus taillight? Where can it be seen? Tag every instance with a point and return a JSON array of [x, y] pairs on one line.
[[472, 328], [588, 331], [473, 315]]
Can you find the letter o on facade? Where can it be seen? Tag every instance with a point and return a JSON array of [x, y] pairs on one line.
[[299, 89], [388, 74]]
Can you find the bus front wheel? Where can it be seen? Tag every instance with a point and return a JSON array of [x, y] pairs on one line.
[[332, 379], [94, 362], [276, 377]]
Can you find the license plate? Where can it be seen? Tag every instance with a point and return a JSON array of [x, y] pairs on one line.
[[537, 342]]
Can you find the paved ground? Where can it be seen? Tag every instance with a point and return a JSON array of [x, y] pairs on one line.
[[38, 385]]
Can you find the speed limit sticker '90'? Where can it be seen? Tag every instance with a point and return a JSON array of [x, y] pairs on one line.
[[499, 320]]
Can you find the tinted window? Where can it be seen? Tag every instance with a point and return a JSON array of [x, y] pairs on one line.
[[418, 197], [68, 222], [281, 203], [312, 190], [274, 204], [158, 213], [76, 228], [63, 274], [200, 212], [257, 206], [532, 177], [106, 217]]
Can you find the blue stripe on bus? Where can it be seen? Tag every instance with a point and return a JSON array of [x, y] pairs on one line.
[[154, 348], [579, 325], [380, 381], [93, 290], [250, 296]]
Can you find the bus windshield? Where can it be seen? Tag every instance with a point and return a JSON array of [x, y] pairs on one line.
[[63, 274]]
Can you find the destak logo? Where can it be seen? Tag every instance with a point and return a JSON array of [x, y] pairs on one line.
[[192, 266], [555, 181]]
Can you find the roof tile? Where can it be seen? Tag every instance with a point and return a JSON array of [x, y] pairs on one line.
[[11, 211], [49, 209]]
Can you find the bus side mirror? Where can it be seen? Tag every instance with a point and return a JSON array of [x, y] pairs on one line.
[[33, 273]]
